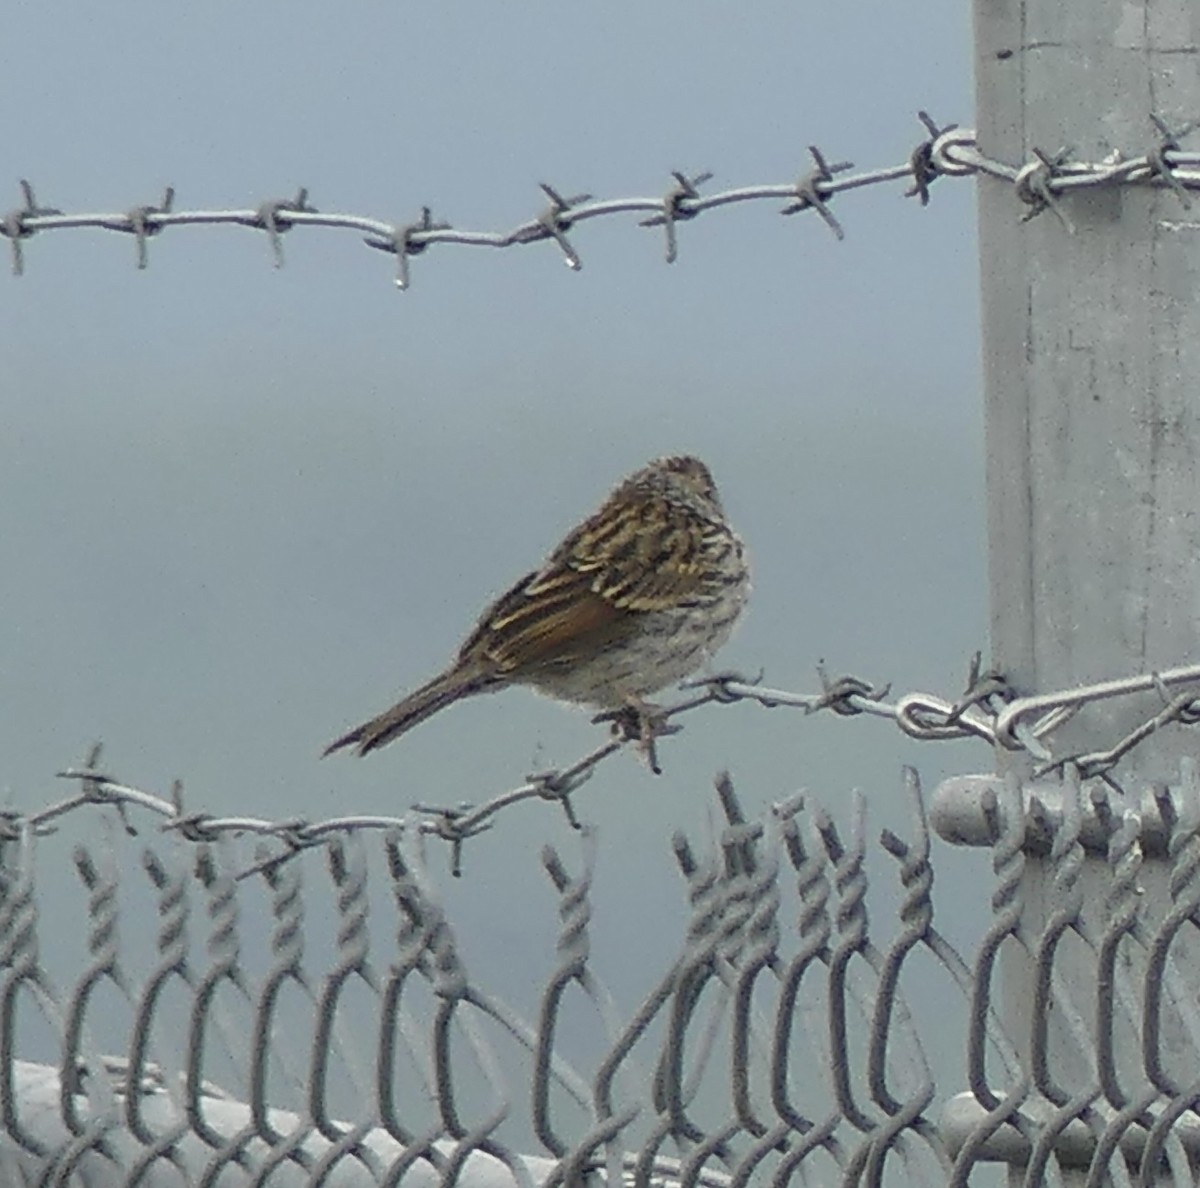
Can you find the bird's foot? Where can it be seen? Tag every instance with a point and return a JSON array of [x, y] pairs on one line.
[[642, 723]]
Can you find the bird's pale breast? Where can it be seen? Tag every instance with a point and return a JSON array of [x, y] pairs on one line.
[[664, 647]]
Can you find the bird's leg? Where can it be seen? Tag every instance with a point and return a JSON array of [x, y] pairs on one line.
[[641, 722]]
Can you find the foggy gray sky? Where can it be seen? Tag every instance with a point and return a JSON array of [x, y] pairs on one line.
[[242, 509]]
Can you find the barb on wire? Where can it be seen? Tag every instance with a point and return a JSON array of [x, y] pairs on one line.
[[274, 217], [989, 689], [675, 207], [403, 243], [17, 224], [553, 223], [816, 187], [1157, 161], [1034, 187], [136, 222], [925, 170]]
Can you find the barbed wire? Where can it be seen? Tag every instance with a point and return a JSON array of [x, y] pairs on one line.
[[947, 151], [989, 710]]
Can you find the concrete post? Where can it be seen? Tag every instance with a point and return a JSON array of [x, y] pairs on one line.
[[1091, 350], [1091, 359]]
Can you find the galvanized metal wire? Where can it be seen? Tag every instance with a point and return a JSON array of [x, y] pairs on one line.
[[778, 1039], [1039, 184], [989, 711]]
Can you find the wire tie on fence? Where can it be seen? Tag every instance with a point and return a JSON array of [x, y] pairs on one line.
[[192, 827], [981, 688], [558, 786], [94, 786], [923, 716], [925, 169], [1156, 158], [555, 220], [403, 243], [675, 209], [943, 158], [14, 229], [812, 191], [445, 823], [837, 694], [272, 217], [137, 223], [1034, 183]]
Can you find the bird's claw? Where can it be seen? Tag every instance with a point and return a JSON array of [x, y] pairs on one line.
[[643, 724]]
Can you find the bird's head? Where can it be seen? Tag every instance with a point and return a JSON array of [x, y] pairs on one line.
[[689, 475]]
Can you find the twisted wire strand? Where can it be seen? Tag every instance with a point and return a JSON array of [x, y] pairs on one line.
[[1040, 184], [988, 711]]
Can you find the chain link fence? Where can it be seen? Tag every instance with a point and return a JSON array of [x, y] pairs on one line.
[[274, 1031]]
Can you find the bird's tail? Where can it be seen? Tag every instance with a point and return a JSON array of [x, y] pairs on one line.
[[444, 690]]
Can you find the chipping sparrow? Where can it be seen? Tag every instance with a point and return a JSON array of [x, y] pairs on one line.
[[634, 599]]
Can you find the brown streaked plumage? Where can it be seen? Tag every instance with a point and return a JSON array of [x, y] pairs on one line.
[[634, 599]]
